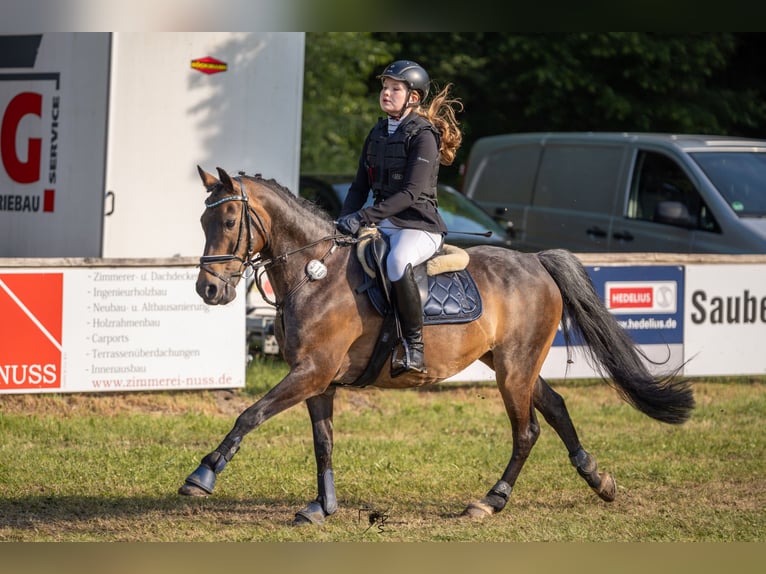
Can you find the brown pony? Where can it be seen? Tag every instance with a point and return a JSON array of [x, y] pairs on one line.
[[327, 330]]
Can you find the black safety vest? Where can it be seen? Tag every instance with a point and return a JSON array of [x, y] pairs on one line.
[[387, 157]]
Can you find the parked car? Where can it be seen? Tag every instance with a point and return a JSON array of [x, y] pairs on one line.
[[623, 192], [465, 220]]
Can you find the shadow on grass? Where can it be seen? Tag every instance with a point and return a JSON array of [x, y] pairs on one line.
[[30, 512]]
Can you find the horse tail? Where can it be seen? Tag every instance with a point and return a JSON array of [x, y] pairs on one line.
[[610, 350]]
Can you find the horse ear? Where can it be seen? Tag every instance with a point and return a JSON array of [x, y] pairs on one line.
[[208, 180], [225, 179]]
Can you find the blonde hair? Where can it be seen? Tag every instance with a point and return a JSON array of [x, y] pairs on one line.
[[441, 113]]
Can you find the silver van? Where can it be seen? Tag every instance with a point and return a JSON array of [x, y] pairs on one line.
[[623, 192]]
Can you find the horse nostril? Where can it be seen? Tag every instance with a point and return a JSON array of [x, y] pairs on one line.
[[210, 291]]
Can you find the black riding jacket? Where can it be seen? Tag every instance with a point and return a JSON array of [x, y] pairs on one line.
[[401, 170]]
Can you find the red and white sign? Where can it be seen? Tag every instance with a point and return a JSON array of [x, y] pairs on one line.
[[30, 335], [641, 297], [116, 329], [53, 116], [79, 111]]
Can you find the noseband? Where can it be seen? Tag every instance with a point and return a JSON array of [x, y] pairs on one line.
[[246, 222]]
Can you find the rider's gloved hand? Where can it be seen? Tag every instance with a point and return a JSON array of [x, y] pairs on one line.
[[349, 224]]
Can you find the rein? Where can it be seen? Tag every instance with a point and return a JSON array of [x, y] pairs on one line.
[[314, 270]]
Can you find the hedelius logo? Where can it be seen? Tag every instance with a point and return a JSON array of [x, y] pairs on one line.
[[641, 296], [30, 331]]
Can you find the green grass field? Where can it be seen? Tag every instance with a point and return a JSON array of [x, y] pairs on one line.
[[106, 467]]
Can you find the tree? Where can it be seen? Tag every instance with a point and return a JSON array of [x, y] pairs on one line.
[[339, 109], [605, 81], [708, 82]]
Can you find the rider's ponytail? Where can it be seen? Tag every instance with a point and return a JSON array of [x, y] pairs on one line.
[[441, 113]]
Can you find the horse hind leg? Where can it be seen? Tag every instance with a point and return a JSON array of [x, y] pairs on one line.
[[553, 408], [497, 497], [525, 430], [601, 482]]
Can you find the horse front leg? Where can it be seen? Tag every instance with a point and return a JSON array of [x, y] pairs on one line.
[[554, 410], [295, 388], [321, 410]]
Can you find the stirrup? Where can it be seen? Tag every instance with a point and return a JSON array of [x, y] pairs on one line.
[[400, 366]]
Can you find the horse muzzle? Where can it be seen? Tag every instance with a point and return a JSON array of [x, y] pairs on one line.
[[214, 291]]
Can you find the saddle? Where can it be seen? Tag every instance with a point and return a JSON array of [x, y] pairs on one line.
[[448, 294]]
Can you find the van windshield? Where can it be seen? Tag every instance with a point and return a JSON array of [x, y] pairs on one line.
[[740, 178]]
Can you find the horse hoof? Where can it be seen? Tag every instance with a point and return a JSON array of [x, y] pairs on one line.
[[313, 513], [201, 482], [478, 510], [192, 490], [607, 491]]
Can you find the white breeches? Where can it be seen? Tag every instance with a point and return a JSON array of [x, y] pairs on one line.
[[408, 246]]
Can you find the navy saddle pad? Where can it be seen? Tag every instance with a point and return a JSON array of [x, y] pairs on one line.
[[450, 297]]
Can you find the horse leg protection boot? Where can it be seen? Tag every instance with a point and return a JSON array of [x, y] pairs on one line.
[[210, 466], [410, 311]]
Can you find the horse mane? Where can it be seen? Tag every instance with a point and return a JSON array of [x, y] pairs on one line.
[[299, 204]]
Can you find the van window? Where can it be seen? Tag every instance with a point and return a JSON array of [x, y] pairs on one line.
[[581, 178], [662, 192], [740, 177], [508, 175]]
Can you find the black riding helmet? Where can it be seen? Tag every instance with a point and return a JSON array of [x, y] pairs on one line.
[[411, 73]]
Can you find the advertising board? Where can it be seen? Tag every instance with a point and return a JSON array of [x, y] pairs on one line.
[[725, 320], [647, 301], [177, 101], [708, 318], [53, 114], [75, 329], [101, 134]]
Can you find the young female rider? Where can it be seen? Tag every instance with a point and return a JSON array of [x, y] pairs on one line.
[[399, 163]]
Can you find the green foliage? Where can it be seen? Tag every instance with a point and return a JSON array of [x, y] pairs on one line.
[[704, 82], [338, 107]]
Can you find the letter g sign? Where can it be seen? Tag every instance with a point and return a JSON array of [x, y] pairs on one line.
[[24, 104]]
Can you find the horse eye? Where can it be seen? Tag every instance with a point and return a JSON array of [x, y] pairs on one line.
[[230, 223]]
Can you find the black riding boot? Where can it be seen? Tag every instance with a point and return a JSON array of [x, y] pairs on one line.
[[410, 309]]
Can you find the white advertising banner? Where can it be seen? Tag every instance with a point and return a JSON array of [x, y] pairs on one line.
[[725, 320], [53, 116], [179, 100], [116, 329]]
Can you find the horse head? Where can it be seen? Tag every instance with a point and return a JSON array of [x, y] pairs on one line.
[[234, 233]]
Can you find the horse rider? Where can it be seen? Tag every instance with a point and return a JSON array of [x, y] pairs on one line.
[[399, 164]]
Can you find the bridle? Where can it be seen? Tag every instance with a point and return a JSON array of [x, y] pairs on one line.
[[254, 261], [245, 224]]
